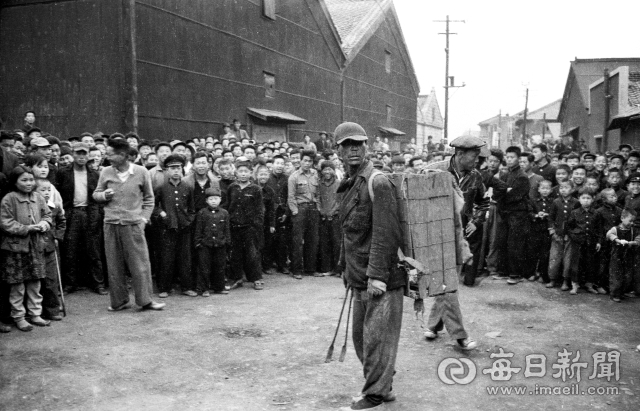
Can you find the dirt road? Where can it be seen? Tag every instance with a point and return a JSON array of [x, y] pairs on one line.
[[264, 350]]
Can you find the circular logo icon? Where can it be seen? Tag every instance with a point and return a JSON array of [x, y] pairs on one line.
[[456, 371]]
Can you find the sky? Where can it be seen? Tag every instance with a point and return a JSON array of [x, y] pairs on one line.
[[503, 48]]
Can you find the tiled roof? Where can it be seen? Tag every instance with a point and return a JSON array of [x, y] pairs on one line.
[[355, 19]]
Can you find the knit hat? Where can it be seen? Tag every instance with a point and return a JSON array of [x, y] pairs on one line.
[[212, 191]]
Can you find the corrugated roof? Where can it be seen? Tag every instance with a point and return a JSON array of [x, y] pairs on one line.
[[270, 115], [551, 110], [355, 19]]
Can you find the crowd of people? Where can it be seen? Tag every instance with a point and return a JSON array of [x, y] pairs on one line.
[[564, 219], [216, 211]]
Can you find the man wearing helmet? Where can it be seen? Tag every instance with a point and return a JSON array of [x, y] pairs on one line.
[[371, 237]]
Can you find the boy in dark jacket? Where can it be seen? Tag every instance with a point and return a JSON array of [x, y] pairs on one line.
[[212, 237], [610, 213], [540, 241], [49, 284], [561, 252], [585, 231], [246, 214], [174, 213], [514, 209]]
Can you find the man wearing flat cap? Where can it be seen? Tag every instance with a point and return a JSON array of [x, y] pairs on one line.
[[370, 241], [324, 143], [174, 213]]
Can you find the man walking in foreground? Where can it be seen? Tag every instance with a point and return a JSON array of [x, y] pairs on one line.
[[126, 190], [371, 237]]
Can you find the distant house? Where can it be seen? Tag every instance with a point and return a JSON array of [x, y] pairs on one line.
[[429, 118], [178, 69], [503, 131], [623, 101], [579, 122]]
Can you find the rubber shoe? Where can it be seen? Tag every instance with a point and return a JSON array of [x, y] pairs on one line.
[[37, 320], [565, 286], [22, 325], [430, 334], [574, 288], [121, 307], [206, 294], [390, 397], [514, 281], [154, 306], [601, 291], [163, 295], [235, 284], [615, 299], [467, 344], [364, 404], [550, 284], [190, 293], [630, 294]]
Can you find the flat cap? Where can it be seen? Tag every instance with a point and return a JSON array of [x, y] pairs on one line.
[[40, 142], [467, 142], [634, 178], [80, 147], [589, 155], [621, 146], [349, 131]]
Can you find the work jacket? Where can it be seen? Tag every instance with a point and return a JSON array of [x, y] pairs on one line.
[[212, 228], [371, 231]]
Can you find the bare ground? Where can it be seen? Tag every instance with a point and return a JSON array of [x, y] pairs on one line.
[[265, 350]]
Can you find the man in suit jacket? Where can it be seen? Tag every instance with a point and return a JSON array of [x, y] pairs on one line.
[[82, 255]]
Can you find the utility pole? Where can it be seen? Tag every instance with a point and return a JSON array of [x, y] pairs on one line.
[[524, 125], [446, 77]]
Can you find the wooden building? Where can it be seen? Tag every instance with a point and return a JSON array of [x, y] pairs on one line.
[[430, 120], [178, 69], [578, 122]]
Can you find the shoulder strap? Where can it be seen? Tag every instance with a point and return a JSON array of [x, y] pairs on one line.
[[374, 174]]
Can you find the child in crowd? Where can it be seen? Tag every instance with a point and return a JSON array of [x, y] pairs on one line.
[[329, 230], [614, 178], [49, 286], [573, 160], [539, 240], [578, 176], [24, 217], [174, 213], [212, 237], [398, 164], [623, 244], [227, 177], [609, 213], [585, 231], [261, 176], [561, 252], [246, 214]]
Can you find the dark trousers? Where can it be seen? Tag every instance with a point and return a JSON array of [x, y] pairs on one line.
[[175, 256], [445, 312], [266, 255], [304, 252], [585, 266], [245, 255], [538, 248], [377, 322], [329, 235], [605, 260], [621, 268], [212, 264], [475, 244], [512, 236], [83, 248], [49, 287]]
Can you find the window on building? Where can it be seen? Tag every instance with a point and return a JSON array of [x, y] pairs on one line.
[[269, 9], [269, 85], [387, 61], [388, 113]]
